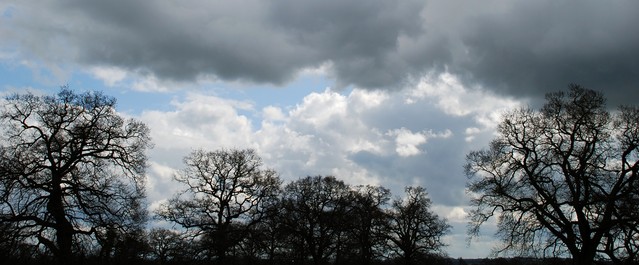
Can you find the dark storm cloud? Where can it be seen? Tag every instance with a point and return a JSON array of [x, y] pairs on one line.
[[359, 37], [521, 48], [542, 46], [261, 41], [171, 40]]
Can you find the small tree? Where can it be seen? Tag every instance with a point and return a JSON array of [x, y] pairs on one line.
[[69, 165], [562, 179], [413, 230], [226, 193]]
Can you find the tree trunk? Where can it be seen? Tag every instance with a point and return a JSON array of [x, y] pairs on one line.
[[221, 244], [584, 258], [64, 228], [408, 257]]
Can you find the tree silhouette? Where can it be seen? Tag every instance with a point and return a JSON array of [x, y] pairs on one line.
[[315, 213], [368, 222], [167, 246], [226, 193], [413, 229], [562, 179], [70, 165]]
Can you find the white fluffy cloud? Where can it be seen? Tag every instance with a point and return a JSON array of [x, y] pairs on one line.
[[109, 75], [197, 121], [360, 136], [407, 142]]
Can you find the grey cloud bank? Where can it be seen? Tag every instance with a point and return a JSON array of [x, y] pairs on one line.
[[518, 48], [542, 46]]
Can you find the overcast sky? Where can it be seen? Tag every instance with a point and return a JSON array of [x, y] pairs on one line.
[[386, 92]]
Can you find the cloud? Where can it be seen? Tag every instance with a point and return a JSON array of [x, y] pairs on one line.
[[517, 48], [272, 113], [360, 136], [470, 133], [109, 75], [426, 81], [150, 83], [542, 46], [160, 186], [407, 142], [360, 38], [197, 121]]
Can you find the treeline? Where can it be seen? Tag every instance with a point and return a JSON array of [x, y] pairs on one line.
[[72, 191], [234, 212], [232, 208]]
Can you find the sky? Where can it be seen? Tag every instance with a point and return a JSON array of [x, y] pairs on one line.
[[381, 92]]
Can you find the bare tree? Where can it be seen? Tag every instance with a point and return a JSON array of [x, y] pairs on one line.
[[561, 180], [69, 165], [413, 229], [226, 193]]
